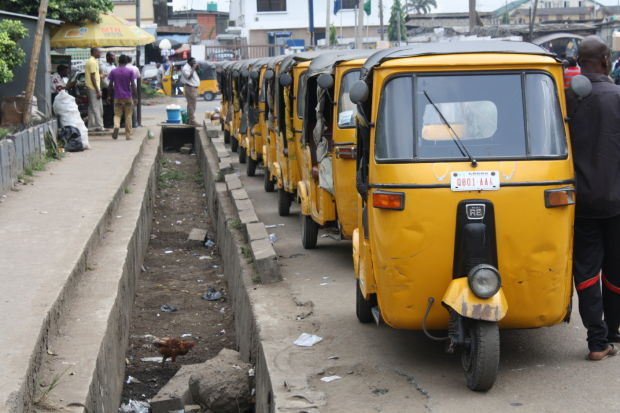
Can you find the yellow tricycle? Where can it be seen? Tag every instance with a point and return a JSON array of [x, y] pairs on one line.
[[466, 194]]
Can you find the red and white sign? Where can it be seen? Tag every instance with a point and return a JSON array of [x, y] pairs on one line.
[[474, 181]]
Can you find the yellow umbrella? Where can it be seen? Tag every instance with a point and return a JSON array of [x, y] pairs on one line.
[[111, 31]]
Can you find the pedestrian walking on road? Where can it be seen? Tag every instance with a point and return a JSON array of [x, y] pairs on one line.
[[93, 90], [191, 82], [595, 136], [105, 68], [123, 88]]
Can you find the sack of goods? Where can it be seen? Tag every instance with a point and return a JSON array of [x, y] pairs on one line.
[[66, 108]]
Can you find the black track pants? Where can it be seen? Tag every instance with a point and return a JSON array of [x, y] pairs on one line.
[[596, 269]]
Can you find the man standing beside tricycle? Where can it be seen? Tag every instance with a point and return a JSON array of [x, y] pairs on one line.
[[595, 135]]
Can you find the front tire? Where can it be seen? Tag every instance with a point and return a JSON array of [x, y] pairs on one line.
[[234, 144], [251, 167], [208, 96], [268, 182], [242, 155], [481, 360], [226, 136], [309, 232], [284, 203], [363, 307]]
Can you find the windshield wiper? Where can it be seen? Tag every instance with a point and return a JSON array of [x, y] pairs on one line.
[[459, 143]]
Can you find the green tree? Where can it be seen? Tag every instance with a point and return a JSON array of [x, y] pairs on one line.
[[394, 25], [421, 6], [333, 35], [69, 11], [11, 55]]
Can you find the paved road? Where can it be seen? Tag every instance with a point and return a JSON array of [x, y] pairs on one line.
[[389, 370]]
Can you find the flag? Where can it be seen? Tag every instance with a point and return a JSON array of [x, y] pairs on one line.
[[337, 6], [367, 7]]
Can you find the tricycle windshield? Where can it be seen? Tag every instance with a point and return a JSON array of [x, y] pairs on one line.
[[347, 109], [495, 115]]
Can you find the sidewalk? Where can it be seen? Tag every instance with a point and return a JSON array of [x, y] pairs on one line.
[[47, 232]]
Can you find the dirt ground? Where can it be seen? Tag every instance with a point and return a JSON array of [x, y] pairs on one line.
[[177, 272]]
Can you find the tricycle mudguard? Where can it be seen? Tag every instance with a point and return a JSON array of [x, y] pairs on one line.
[[302, 193], [461, 299]]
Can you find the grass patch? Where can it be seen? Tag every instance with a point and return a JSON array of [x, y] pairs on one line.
[[50, 388], [198, 178], [168, 176], [235, 223], [247, 254], [127, 190]]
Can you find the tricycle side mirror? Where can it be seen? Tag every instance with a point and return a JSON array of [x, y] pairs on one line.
[[254, 74], [286, 79], [581, 86], [325, 81], [269, 74], [359, 92]]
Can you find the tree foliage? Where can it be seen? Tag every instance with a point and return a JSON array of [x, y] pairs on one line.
[[11, 55], [421, 6], [333, 35], [394, 25], [69, 11]]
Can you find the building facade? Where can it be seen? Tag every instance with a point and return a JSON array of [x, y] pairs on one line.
[[267, 22], [552, 11]]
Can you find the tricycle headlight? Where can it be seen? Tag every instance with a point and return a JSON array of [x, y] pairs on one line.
[[484, 280]]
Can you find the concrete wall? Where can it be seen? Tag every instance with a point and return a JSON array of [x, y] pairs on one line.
[[19, 149], [42, 86], [127, 10]]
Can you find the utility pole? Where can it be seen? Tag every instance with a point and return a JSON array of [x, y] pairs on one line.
[[533, 18], [34, 62], [139, 80], [381, 18], [327, 25], [311, 20], [472, 15], [360, 24]]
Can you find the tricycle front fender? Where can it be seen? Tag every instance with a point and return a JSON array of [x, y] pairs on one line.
[[461, 299]]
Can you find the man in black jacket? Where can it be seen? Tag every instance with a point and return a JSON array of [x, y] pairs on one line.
[[595, 135]]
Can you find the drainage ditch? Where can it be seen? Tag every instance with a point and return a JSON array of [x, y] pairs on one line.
[[177, 273]]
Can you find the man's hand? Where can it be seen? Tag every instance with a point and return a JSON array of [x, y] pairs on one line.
[[98, 94]]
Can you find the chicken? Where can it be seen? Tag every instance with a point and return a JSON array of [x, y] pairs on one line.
[[173, 347]]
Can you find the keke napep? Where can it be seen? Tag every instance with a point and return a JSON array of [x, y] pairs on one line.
[[465, 194]]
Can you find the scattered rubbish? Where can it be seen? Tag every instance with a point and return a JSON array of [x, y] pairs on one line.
[[42, 212], [144, 269], [177, 162], [215, 266], [251, 372], [131, 379], [209, 243], [119, 216], [151, 359], [332, 236], [220, 275], [212, 294], [326, 277], [168, 308], [273, 238], [51, 353], [329, 379], [205, 257], [222, 310], [223, 331], [274, 226], [516, 404], [376, 314], [307, 340], [349, 372], [179, 222], [168, 252], [200, 281], [333, 358], [186, 335], [380, 392], [135, 406], [322, 284]]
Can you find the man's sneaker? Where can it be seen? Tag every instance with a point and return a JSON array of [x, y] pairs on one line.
[[115, 133]]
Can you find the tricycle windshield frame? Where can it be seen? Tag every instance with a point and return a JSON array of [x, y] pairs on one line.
[[497, 115], [347, 110]]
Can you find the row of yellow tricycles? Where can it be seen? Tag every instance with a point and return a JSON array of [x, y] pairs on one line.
[[448, 165]]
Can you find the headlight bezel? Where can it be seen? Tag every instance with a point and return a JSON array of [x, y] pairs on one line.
[[478, 271]]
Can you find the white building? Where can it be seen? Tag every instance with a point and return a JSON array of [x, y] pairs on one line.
[[265, 22]]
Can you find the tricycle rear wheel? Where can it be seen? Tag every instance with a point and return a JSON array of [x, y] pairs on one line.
[[234, 144], [243, 156], [226, 136], [309, 232], [268, 183], [363, 307], [284, 202], [251, 167], [481, 359]]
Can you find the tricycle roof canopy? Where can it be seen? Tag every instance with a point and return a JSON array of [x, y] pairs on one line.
[[326, 62], [458, 47], [111, 31]]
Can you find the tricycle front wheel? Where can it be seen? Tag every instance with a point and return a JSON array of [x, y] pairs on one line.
[[480, 358]]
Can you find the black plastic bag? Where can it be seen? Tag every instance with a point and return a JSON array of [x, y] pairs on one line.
[[71, 139]]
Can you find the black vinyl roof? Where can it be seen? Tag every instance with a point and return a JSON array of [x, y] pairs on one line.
[[326, 62], [292, 59], [458, 47], [275, 60]]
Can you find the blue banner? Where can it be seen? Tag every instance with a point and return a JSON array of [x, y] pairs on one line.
[[337, 6]]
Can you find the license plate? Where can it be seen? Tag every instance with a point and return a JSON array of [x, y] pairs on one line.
[[474, 181]]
